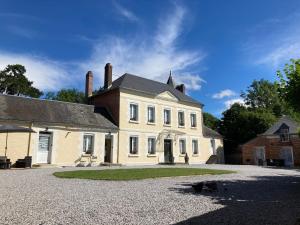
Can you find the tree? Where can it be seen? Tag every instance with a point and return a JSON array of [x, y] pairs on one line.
[[210, 121], [240, 124], [67, 95], [265, 95], [14, 82], [290, 84]]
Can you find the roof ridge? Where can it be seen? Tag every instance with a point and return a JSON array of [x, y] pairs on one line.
[[45, 100]]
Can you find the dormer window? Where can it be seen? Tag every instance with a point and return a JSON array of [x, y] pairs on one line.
[[284, 135]]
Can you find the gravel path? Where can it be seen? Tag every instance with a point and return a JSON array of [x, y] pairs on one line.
[[252, 196]]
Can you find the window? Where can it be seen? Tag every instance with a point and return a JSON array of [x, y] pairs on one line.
[[284, 135], [195, 147], [151, 146], [193, 120], [213, 146], [151, 114], [167, 116], [134, 112], [88, 143], [133, 145], [182, 149], [181, 118]]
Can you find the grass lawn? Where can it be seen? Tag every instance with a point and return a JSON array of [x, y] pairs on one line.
[[137, 174]]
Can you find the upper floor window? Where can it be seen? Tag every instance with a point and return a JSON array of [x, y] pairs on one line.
[[151, 114], [181, 118], [134, 112], [133, 145], [284, 135], [195, 147], [151, 146], [182, 147], [88, 143], [193, 120], [167, 116]]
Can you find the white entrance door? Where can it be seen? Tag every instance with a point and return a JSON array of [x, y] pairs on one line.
[[259, 156], [286, 153], [43, 155]]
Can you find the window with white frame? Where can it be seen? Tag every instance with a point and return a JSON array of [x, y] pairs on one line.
[[134, 112], [195, 147], [193, 120], [151, 146], [167, 117], [181, 119], [88, 143], [151, 114], [133, 145], [182, 147]]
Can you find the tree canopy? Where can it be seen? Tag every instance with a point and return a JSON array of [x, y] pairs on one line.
[[210, 121], [14, 82], [67, 95]]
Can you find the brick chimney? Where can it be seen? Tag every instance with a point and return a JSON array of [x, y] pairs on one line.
[[107, 76], [89, 84], [181, 88]]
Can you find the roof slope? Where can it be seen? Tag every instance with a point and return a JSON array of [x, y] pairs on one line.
[[292, 124], [136, 83], [207, 132], [47, 111]]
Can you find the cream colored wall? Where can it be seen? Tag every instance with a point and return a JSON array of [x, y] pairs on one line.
[[144, 130], [67, 144]]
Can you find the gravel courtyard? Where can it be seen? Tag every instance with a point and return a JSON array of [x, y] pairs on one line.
[[254, 195]]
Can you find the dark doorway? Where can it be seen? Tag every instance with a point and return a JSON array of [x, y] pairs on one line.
[[108, 147], [168, 151]]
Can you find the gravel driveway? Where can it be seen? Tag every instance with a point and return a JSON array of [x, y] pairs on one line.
[[252, 196]]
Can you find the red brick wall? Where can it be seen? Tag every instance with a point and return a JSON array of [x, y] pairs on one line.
[[272, 148], [109, 100]]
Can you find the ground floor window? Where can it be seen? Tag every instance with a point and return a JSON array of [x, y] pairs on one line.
[[133, 145], [182, 147], [195, 147], [88, 143], [151, 146]]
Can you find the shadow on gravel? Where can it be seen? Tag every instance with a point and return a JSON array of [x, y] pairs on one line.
[[262, 201]]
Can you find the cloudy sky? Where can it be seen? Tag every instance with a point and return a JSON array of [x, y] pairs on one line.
[[215, 47]]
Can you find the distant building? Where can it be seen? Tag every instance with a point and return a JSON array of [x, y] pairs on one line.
[[279, 145], [132, 120]]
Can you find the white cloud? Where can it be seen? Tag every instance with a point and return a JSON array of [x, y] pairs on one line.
[[230, 102], [46, 74], [152, 56], [223, 94], [126, 13]]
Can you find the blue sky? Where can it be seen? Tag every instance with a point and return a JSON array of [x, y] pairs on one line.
[[215, 47]]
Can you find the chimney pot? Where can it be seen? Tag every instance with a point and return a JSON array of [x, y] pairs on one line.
[[107, 75], [89, 84]]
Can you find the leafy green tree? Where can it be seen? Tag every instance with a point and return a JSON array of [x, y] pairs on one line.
[[14, 82], [265, 95], [240, 124], [290, 83], [67, 95], [210, 121]]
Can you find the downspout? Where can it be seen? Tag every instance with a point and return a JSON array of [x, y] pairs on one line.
[[29, 139]]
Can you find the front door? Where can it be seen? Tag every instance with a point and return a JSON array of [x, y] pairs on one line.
[[286, 153], [168, 156], [108, 146], [259, 156], [44, 150]]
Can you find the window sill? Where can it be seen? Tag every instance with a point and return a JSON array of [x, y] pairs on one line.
[[151, 155], [194, 128], [150, 123], [134, 121], [181, 126], [181, 155], [167, 125], [195, 155], [133, 155]]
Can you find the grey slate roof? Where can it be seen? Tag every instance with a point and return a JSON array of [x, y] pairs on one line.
[[51, 112], [207, 132], [287, 121], [136, 83]]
